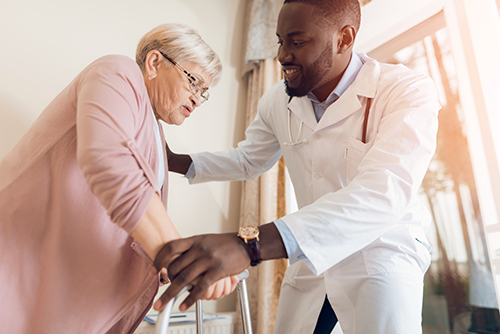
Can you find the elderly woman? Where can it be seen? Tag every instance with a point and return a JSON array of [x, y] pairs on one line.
[[83, 194]]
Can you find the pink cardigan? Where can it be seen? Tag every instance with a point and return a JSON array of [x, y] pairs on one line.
[[71, 191]]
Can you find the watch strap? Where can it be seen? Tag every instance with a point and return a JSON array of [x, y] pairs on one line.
[[253, 248]]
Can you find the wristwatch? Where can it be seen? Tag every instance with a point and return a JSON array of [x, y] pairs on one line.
[[250, 235]]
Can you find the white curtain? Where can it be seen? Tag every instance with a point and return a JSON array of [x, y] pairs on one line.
[[263, 199]]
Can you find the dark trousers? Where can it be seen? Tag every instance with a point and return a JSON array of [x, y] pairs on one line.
[[326, 320], [484, 321]]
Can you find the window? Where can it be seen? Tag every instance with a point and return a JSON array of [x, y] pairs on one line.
[[458, 48], [459, 286]]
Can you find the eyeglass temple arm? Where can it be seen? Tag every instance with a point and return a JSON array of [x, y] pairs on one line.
[[190, 76]]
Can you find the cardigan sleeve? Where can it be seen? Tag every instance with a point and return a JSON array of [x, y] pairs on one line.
[[111, 109]]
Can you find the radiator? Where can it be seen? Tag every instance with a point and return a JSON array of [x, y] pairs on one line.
[[223, 325]]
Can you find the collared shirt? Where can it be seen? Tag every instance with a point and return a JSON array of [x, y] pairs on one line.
[[347, 79]]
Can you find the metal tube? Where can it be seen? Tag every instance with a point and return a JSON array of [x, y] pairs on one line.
[[164, 316], [199, 317], [246, 320]]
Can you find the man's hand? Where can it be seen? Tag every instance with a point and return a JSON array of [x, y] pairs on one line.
[[178, 163], [200, 260]]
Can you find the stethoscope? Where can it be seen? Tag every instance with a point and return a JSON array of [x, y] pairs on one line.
[[298, 142], [295, 142]]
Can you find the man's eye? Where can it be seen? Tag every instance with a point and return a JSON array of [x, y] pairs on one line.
[[297, 43]]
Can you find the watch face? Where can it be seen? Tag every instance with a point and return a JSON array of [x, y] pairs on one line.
[[249, 232]]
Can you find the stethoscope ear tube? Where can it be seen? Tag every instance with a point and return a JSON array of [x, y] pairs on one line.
[[295, 142]]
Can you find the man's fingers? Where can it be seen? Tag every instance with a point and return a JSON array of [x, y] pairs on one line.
[[185, 277], [171, 251], [181, 263], [203, 284], [191, 274], [159, 305], [202, 259]]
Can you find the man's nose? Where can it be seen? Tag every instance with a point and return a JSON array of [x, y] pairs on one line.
[[284, 55]]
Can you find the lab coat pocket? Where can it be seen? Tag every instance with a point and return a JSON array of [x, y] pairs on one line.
[[354, 154], [423, 252], [381, 260]]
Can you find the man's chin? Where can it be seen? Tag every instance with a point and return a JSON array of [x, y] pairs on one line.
[[298, 91]]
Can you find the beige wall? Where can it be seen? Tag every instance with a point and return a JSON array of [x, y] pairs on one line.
[[44, 44]]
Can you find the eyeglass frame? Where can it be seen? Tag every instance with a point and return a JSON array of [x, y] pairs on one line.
[[195, 85]]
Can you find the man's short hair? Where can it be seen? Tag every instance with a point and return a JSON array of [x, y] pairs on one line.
[[335, 13]]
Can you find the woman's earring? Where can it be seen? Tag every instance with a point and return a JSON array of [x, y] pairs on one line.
[[152, 76]]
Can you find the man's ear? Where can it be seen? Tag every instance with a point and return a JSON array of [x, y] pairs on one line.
[[152, 61], [346, 39]]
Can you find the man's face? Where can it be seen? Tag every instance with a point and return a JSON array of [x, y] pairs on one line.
[[307, 52]]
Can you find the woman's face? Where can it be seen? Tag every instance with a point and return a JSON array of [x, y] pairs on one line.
[[169, 92]]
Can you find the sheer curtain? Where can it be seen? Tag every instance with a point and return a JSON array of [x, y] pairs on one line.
[[263, 199]]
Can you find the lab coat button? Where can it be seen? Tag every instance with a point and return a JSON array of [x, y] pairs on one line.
[[317, 176], [317, 136]]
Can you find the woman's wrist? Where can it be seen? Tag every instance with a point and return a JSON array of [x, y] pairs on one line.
[[155, 228]]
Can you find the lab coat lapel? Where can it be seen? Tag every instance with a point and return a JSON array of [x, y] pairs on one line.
[[302, 108], [347, 104], [365, 86]]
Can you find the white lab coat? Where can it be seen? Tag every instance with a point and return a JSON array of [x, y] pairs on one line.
[[354, 198]]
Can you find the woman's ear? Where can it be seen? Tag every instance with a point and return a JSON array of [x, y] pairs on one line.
[[151, 64], [346, 39]]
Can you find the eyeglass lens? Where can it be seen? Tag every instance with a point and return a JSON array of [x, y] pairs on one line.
[[195, 87]]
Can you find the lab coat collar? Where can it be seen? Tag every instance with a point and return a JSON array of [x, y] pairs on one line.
[[367, 81], [364, 86], [302, 108]]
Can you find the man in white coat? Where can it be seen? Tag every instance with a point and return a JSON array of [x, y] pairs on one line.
[[357, 137]]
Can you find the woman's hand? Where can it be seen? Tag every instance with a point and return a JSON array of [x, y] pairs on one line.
[[221, 288], [164, 277], [217, 290]]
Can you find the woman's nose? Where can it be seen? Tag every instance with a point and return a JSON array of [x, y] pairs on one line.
[[196, 99]]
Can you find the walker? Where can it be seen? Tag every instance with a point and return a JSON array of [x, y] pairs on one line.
[[164, 316]]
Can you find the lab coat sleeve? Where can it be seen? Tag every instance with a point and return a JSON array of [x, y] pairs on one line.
[[109, 114], [379, 197], [252, 156]]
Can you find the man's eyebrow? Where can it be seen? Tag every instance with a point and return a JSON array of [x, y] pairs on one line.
[[293, 33]]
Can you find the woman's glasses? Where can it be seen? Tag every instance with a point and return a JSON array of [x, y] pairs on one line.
[[195, 85]]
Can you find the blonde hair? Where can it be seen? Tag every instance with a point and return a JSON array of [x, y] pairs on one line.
[[181, 43]]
